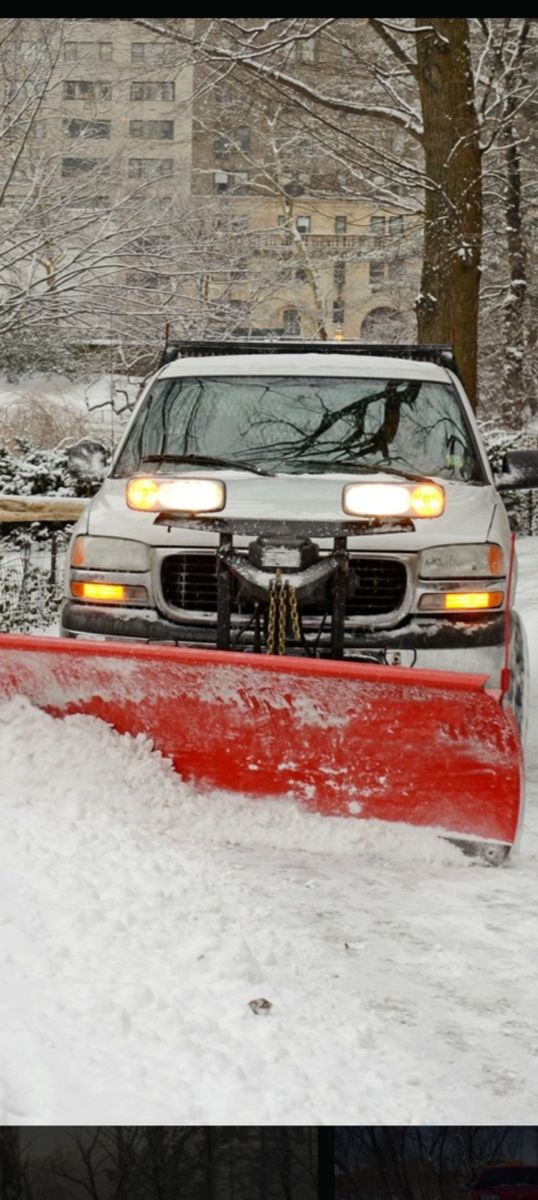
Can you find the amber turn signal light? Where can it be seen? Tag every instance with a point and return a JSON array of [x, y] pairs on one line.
[[106, 592], [460, 601]]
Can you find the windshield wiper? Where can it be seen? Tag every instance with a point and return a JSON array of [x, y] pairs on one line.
[[348, 465], [205, 460]]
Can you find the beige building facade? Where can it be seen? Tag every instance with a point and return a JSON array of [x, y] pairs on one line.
[[164, 198]]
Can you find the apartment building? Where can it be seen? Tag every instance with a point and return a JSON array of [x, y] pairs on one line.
[[319, 253], [172, 191]]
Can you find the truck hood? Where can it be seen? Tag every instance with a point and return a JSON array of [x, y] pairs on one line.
[[468, 515]]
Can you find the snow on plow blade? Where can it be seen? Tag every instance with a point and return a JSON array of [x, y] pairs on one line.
[[399, 744]]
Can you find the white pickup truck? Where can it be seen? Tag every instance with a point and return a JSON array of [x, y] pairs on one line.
[[331, 500]]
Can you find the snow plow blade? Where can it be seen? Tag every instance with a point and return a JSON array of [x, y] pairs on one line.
[[344, 739]]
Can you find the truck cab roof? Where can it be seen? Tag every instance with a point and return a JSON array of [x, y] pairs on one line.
[[352, 365]]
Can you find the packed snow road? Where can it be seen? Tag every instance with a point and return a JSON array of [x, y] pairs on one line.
[[138, 919]]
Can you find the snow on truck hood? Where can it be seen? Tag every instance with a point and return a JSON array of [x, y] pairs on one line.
[[468, 515]]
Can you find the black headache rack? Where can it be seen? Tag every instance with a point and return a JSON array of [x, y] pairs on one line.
[[442, 356]]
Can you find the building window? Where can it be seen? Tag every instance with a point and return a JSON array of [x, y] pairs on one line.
[[242, 137], [223, 181], [240, 270], [396, 225], [291, 322], [339, 275], [238, 139], [221, 145], [79, 166], [338, 312], [161, 131], [377, 226], [19, 129], [23, 90], [75, 127], [87, 89], [75, 51], [153, 91], [222, 96], [304, 50], [340, 224], [150, 168], [303, 224], [154, 54], [377, 272], [30, 52]]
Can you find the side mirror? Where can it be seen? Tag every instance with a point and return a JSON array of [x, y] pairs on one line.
[[88, 460], [519, 470]]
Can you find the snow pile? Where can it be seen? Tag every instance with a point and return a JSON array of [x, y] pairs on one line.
[[139, 919]]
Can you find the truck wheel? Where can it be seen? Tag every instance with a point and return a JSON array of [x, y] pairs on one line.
[[518, 693]]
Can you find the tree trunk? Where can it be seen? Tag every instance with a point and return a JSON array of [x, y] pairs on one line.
[[517, 400], [447, 307]]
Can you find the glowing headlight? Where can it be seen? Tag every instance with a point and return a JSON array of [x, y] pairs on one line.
[[187, 495], [109, 554], [393, 500], [463, 562]]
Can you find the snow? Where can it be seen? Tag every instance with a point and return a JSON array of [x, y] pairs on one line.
[[139, 920], [320, 365]]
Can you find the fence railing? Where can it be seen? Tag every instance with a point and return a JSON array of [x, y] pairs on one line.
[[26, 509]]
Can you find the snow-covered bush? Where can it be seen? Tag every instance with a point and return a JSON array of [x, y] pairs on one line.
[[30, 471], [521, 506]]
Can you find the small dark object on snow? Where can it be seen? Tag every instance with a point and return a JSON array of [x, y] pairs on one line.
[[260, 1006]]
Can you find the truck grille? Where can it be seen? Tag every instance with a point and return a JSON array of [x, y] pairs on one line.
[[376, 586]]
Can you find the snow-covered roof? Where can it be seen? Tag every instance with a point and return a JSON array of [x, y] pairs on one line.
[[306, 364]]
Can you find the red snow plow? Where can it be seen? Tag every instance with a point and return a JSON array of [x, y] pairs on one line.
[[342, 738]]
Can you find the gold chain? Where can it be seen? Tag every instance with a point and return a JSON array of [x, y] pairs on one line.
[[271, 616], [282, 618], [294, 612], [282, 599]]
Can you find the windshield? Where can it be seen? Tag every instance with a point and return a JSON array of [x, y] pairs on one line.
[[299, 424], [497, 1177]]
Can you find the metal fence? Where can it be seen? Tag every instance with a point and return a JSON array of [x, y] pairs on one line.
[[32, 563]]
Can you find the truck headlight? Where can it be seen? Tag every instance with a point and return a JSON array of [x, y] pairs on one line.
[[109, 554], [393, 500], [185, 495], [462, 562]]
